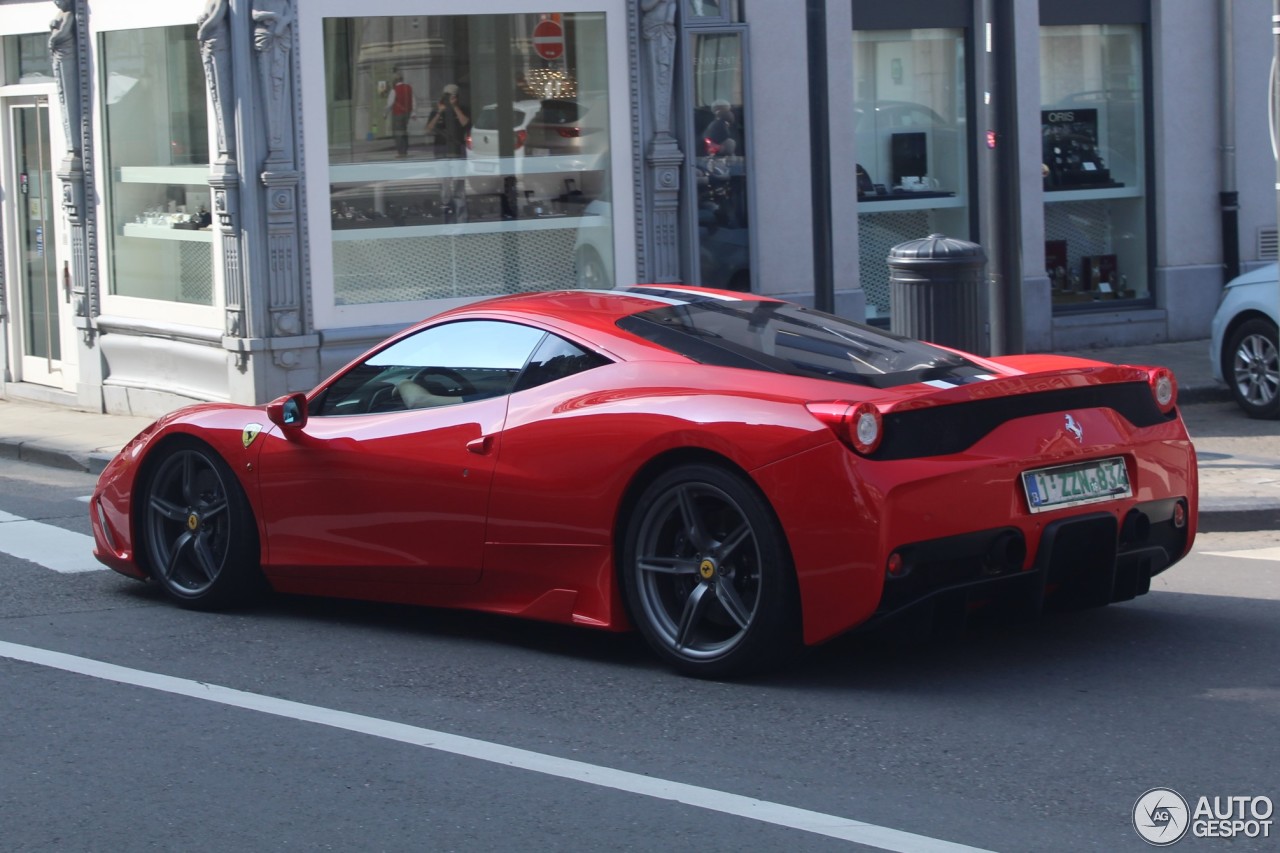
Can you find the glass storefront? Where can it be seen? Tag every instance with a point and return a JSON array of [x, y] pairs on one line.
[[719, 122], [1093, 135], [468, 155], [156, 133], [26, 58], [911, 143]]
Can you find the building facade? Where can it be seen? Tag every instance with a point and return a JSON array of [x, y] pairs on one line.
[[229, 199]]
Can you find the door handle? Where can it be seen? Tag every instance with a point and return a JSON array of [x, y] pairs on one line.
[[480, 446]]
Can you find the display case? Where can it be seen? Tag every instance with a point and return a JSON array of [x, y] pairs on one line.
[[157, 140], [911, 146], [494, 179], [1093, 147]]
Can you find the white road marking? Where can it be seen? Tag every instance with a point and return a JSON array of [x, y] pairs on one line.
[[49, 545], [1252, 554], [777, 814]]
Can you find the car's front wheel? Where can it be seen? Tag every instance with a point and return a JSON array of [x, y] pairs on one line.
[[708, 574], [1252, 368], [199, 533]]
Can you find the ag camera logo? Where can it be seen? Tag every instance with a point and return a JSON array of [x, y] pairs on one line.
[[1160, 817]]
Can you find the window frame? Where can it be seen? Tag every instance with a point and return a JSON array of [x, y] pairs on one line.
[[116, 17]]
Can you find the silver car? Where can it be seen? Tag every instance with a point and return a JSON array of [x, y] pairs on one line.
[[1244, 350]]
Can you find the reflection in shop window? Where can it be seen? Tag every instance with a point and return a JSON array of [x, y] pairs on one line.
[[911, 144], [469, 155], [26, 58], [156, 129], [1092, 134], [720, 161]]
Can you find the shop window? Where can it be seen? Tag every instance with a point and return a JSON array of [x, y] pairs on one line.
[[721, 158], [26, 58], [468, 155], [1093, 141], [156, 130], [712, 11], [911, 144]]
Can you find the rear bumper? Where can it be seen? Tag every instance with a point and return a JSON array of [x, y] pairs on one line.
[[1083, 560]]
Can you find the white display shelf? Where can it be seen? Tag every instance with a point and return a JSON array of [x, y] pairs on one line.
[[434, 170], [158, 232], [866, 206], [1103, 194], [454, 229], [164, 174]]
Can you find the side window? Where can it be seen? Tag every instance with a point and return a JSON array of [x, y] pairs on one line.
[[555, 359], [439, 366]]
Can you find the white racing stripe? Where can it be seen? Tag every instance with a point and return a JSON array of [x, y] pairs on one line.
[[49, 545], [831, 826]]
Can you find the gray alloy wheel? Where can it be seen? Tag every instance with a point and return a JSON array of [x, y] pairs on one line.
[[1252, 368], [201, 542], [708, 576]]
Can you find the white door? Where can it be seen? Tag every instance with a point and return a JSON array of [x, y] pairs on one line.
[[39, 286]]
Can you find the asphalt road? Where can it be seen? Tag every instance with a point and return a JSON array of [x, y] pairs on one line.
[[315, 725]]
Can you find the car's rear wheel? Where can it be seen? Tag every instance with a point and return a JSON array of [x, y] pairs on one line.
[[198, 529], [1252, 368], [708, 575]]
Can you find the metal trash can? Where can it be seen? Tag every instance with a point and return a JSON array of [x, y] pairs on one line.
[[937, 292]]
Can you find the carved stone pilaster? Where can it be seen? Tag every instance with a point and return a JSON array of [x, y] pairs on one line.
[[64, 54], [658, 26], [224, 184], [284, 299], [665, 160], [213, 32], [273, 41], [664, 157], [70, 71]]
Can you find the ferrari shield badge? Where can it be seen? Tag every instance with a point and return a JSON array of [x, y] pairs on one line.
[[249, 433]]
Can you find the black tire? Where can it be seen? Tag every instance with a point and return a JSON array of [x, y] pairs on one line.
[[708, 575], [198, 532], [1251, 366]]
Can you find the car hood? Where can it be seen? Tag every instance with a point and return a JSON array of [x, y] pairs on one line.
[[1262, 275]]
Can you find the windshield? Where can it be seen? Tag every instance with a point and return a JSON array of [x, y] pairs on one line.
[[780, 337]]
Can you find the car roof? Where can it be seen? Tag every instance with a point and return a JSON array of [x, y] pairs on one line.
[[595, 311], [610, 304]]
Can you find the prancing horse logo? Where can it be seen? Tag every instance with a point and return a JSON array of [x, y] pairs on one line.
[[1073, 427]]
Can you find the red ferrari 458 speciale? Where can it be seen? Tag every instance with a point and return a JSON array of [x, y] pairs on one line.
[[732, 475]]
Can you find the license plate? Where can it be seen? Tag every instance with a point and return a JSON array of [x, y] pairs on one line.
[[1073, 485]]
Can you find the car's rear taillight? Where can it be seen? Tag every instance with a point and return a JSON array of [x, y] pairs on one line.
[[521, 136], [1164, 388], [569, 132], [468, 142], [712, 148], [858, 425]]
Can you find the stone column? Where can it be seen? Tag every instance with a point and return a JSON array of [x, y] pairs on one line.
[[70, 70], [213, 32], [663, 156], [287, 330]]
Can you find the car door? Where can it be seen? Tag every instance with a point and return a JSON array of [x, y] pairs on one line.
[[388, 480]]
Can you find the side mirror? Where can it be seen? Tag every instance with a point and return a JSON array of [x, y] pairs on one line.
[[288, 412]]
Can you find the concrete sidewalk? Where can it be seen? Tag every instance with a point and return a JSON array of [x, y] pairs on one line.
[[1239, 457]]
